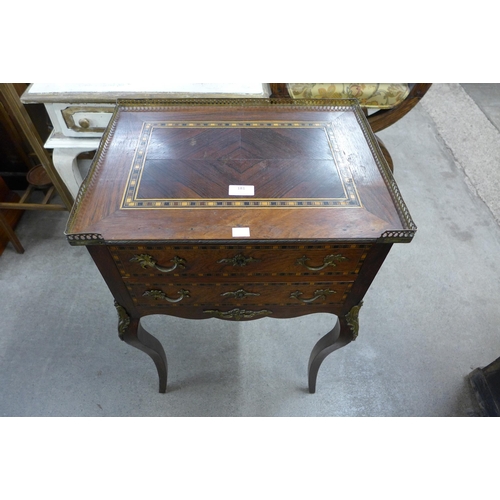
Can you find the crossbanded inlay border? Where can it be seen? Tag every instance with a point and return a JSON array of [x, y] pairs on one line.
[[131, 200]]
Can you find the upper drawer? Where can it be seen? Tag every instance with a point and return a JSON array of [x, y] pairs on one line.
[[80, 120], [87, 119], [216, 261]]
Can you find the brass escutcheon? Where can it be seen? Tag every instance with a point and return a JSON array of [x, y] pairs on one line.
[[239, 294], [238, 260]]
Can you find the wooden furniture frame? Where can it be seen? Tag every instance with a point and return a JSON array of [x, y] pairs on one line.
[[22, 126], [239, 209], [381, 119], [25, 124], [11, 234]]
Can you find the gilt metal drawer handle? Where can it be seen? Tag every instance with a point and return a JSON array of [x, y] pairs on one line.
[[317, 294], [239, 294], [158, 294], [238, 260], [146, 261], [237, 314], [329, 260]]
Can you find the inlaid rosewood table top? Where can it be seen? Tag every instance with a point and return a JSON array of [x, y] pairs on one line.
[[239, 209]]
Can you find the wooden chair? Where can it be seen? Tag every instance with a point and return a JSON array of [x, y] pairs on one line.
[[24, 135], [384, 104]]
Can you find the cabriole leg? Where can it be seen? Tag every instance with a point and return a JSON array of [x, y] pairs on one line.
[[131, 332], [344, 331]]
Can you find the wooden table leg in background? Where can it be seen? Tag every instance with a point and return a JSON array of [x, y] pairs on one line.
[[5, 226]]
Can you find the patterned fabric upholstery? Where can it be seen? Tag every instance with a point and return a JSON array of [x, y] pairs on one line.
[[369, 95]]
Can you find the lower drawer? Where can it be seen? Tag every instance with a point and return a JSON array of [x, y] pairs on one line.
[[238, 294]]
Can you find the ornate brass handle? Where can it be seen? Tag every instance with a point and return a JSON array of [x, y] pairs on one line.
[[238, 260], [329, 260], [146, 260], [239, 294], [237, 314], [158, 294], [317, 294]]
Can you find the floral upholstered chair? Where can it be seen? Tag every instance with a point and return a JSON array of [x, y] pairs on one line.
[[383, 103]]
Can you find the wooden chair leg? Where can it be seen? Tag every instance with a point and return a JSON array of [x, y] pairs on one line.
[[384, 118], [279, 90], [4, 224]]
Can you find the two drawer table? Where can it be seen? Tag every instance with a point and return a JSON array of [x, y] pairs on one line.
[[238, 209]]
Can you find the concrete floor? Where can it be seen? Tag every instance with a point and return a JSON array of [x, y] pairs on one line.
[[430, 318]]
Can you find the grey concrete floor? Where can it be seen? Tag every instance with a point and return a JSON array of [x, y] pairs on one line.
[[487, 98], [429, 319]]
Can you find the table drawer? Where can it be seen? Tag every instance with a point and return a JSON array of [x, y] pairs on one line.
[[168, 263], [238, 294], [86, 120]]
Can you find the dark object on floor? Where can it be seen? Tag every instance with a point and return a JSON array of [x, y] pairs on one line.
[[486, 385]]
